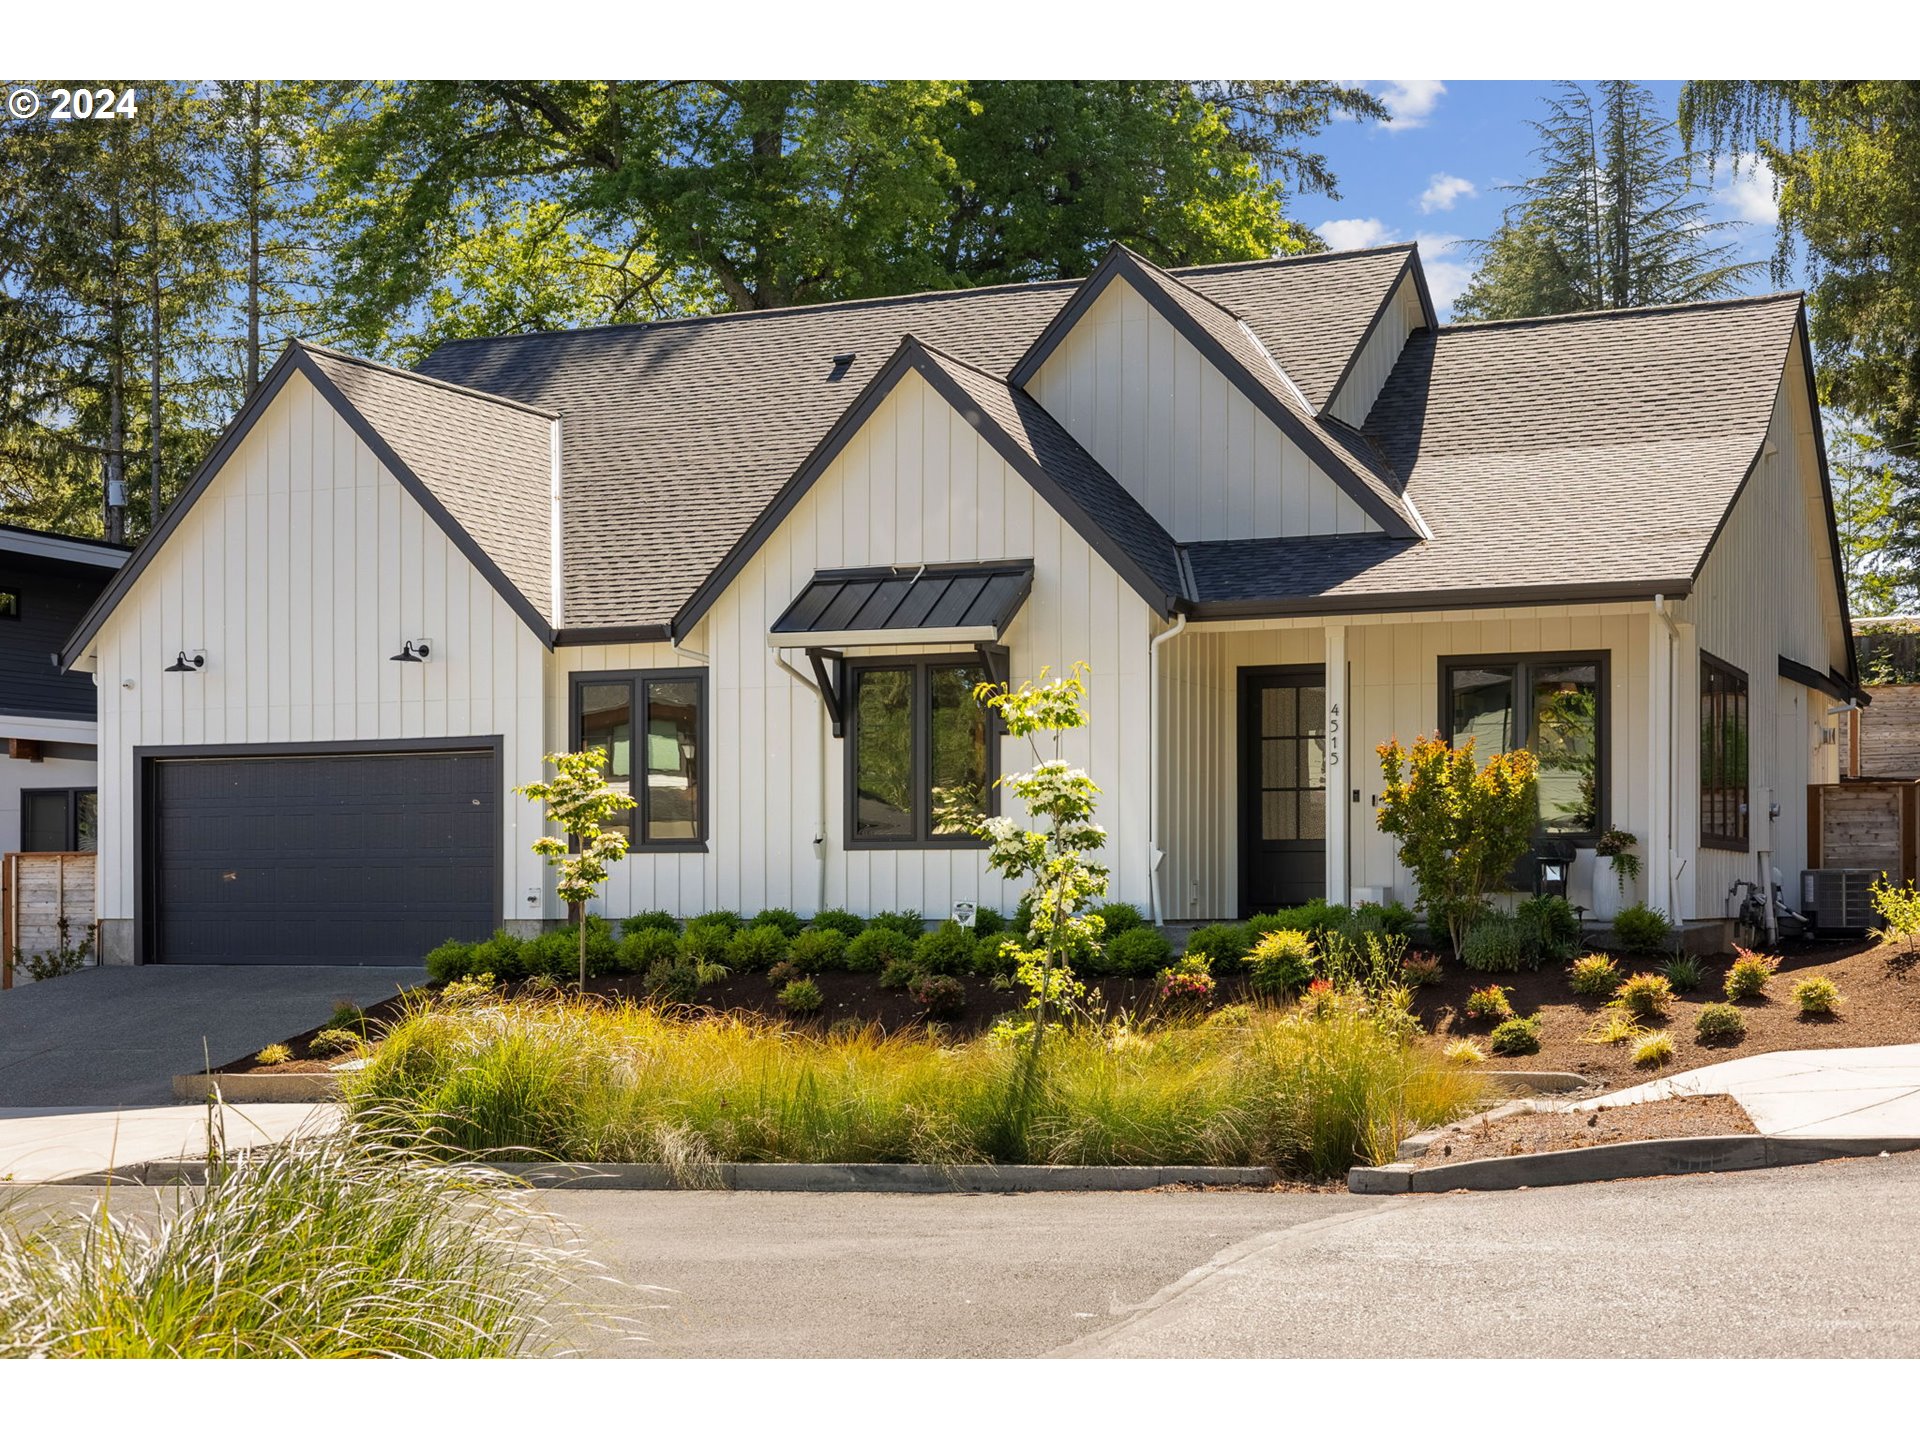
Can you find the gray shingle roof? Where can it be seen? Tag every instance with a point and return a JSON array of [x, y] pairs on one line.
[[488, 460], [677, 435], [1587, 453]]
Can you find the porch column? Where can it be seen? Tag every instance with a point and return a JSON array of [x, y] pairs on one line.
[[1656, 848], [1339, 780]]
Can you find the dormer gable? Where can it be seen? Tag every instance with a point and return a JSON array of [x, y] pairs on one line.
[[1179, 400]]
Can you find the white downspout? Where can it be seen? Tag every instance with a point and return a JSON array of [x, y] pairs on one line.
[[820, 824], [1673, 749], [1155, 855]]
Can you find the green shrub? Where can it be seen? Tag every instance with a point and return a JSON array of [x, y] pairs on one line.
[[556, 953], [996, 956], [1494, 945], [1186, 985], [706, 942], [941, 996], [1654, 1050], [1817, 996], [987, 921], [1685, 973], [650, 920], [502, 955], [1549, 930], [1490, 1002], [1515, 1037], [899, 973], [845, 921], [782, 972], [801, 997], [1120, 917], [1747, 977], [1594, 976], [1141, 951], [672, 980], [642, 949], [1719, 1024], [1280, 963], [1318, 918], [1645, 996], [1642, 930], [728, 920], [450, 960], [760, 948], [1392, 918], [817, 950], [947, 950], [347, 1016], [783, 920], [1899, 910], [906, 922], [873, 949], [334, 1041], [1421, 969], [1223, 947], [275, 1054], [324, 1247]]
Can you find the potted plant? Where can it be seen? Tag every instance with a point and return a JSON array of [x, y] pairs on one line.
[[1616, 848]]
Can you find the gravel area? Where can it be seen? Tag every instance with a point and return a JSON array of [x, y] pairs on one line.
[[1546, 1130]]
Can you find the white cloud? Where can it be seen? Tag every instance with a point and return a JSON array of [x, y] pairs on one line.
[[1409, 102], [1355, 234], [1444, 191], [1746, 191], [1448, 263]]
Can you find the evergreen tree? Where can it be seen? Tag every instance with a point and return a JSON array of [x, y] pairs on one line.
[[1615, 218]]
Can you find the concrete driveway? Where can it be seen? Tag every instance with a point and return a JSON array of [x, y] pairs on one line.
[[116, 1035]]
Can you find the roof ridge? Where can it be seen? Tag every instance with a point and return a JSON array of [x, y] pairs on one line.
[[952, 359], [400, 372], [1036, 286], [1676, 307]]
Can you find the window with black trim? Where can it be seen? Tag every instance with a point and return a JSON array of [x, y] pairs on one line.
[[1552, 705], [653, 726], [1723, 754], [9, 604], [59, 820], [921, 752]]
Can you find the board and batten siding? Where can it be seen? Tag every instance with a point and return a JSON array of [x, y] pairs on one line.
[[1393, 679], [1371, 367], [1767, 590], [300, 570], [915, 484], [1202, 459]]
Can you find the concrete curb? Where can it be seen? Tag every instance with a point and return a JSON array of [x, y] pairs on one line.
[[1541, 1082], [897, 1179], [1628, 1160], [838, 1179], [257, 1089]]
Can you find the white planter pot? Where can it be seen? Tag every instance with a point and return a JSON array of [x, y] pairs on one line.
[[1609, 894]]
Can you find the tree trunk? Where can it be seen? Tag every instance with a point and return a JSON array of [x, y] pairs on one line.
[[254, 144], [116, 496], [153, 377]]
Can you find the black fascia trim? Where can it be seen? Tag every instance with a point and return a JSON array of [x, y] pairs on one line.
[[1813, 679], [294, 359], [909, 355], [653, 634], [1333, 606], [1121, 261]]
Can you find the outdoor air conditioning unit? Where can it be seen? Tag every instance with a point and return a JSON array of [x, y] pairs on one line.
[[1839, 899]]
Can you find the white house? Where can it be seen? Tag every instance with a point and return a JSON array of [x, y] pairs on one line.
[[1281, 512]]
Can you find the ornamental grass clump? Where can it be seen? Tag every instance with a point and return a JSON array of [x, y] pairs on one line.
[[1817, 997], [327, 1246], [1309, 1092], [1653, 1050]]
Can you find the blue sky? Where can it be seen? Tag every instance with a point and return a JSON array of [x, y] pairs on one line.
[[1434, 173]]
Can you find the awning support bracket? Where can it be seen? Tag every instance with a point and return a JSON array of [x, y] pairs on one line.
[[829, 672]]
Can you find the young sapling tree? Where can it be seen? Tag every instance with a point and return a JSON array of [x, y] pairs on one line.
[[580, 801]]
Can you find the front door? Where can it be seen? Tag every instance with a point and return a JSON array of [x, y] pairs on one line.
[[1283, 787]]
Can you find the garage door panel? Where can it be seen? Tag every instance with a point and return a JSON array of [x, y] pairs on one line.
[[340, 859]]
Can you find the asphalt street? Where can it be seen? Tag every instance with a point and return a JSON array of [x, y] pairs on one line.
[[1815, 1260]]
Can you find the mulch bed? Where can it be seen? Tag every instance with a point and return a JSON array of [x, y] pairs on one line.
[[304, 1061], [1882, 1007], [1548, 1130]]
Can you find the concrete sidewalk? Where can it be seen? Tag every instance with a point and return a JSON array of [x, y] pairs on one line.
[[1868, 1093], [57, 1142]]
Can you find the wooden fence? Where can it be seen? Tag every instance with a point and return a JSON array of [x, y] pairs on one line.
[[1864, 825], [36, 890]]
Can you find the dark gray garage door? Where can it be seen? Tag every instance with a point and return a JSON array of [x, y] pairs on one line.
[[320, 860]]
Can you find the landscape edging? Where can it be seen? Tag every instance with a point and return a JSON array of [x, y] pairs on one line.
[[257, 1089], [1624, 1160]]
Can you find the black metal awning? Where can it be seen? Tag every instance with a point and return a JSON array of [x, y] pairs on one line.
[[970, 604]]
